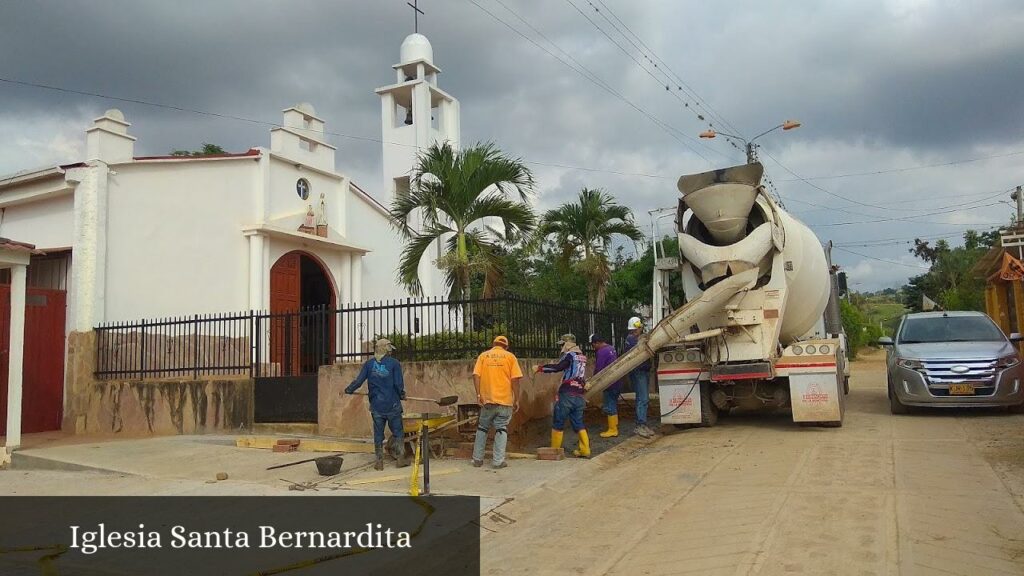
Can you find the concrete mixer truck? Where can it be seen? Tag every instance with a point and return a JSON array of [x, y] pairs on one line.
[[759, 326]]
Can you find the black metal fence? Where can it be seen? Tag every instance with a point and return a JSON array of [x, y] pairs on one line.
[[181, 346], [261, 344]]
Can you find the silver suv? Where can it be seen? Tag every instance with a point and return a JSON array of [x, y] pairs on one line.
[[953, 359]]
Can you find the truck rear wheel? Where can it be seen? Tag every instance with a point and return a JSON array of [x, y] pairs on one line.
[[708, 410]]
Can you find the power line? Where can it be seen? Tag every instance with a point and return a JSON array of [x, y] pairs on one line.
[[597, 82], [670, 73], [907, 168], [883, 242], [907, 219], [633, 58], [883, 259], [327, 132], [690, 93], [990, 196]]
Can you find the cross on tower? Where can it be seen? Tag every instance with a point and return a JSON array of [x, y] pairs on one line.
[[415, 15]]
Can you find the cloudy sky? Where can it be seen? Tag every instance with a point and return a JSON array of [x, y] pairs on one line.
[[912, 110]]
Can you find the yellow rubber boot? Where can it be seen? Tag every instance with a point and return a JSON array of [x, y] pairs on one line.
[[613, 427], [584, 450], [556, 438]]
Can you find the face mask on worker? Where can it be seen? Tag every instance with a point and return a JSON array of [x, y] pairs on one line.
[[569, 346], [381, 350]]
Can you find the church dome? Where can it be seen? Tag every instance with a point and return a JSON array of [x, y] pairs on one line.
[[416, 47]]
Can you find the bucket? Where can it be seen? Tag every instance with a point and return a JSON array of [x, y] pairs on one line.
[[329, 465]]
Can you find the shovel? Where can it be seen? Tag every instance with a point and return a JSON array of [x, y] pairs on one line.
[[445, 401]]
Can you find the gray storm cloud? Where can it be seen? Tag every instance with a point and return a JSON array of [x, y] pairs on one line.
[[878, 85]]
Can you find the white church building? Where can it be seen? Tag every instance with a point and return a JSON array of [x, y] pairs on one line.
[[121, 237]]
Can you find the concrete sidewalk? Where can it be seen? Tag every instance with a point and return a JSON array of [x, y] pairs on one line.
[[189, 465]]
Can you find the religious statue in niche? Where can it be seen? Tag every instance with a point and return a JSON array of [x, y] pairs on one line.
[[321, 218], [308, 225]]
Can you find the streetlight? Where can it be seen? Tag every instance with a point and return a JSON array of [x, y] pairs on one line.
[[749, 144]]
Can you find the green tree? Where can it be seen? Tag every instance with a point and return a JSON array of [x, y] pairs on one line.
[[583, 232], [206, 150], [950, 280], [632, 279], [454, 192]]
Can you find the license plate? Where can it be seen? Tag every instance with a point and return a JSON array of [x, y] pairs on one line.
[[961, 389]]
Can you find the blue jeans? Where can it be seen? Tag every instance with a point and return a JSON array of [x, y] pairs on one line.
[[610, 406], [393, 421], [568, 407], [639, 380], [496, 416]]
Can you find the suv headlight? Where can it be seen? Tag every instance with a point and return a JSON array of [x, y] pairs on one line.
[[909, 363], [1008, 361]]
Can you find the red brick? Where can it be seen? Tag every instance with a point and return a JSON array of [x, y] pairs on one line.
[[288, 441], [550, 451], [285, 448], [553, 457]]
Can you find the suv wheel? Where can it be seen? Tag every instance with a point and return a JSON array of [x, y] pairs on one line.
[[895, 406]]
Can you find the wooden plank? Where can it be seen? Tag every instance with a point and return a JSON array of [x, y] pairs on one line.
[[393, 477], [307, 444], [453, 452]]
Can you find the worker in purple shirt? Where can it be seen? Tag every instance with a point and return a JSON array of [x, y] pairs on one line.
[[639, 377], [605, 356]]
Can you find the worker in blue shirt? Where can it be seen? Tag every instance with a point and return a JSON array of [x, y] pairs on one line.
[[386, 390]]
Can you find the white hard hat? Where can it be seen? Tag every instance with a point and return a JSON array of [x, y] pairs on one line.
[[634, 323]]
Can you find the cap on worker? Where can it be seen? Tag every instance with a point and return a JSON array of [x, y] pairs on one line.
[[634, 323], [567, 338], [595, 338], [384, 343], [500, 340]]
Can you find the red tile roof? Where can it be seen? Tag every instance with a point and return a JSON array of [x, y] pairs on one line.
[[7, 243]]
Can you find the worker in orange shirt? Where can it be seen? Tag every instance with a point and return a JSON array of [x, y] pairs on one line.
[[496, 378]]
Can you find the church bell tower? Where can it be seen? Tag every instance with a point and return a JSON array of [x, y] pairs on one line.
[[415, 114]]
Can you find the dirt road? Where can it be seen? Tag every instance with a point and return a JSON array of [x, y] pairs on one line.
[[934, 493]]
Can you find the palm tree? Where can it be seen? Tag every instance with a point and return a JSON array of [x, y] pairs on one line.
[[583, 231], [455, 191]]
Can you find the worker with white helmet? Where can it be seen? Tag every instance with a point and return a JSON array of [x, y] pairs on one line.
[[639, 377]]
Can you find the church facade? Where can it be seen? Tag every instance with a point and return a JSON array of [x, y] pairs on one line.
[[276, 228], [267, 229]]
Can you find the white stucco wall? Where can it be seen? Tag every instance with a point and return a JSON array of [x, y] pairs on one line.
[[368, 227], [174, 238], [46, 223], [283, 200]]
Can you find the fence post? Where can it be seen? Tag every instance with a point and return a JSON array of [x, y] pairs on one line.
[[408, 325], [195, 346], [142, 352], [252, 341]]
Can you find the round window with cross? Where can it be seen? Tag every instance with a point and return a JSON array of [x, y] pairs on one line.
[[302, 188]]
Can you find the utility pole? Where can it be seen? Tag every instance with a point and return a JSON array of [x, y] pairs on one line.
[[752, 155], [1016, 195]]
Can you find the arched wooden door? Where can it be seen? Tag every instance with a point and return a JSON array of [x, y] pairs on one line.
[[302, 304]]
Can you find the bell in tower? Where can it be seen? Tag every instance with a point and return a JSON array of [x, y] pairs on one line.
[[408, 117]]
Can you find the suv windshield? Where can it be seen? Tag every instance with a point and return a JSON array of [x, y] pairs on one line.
[[949, 329]]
